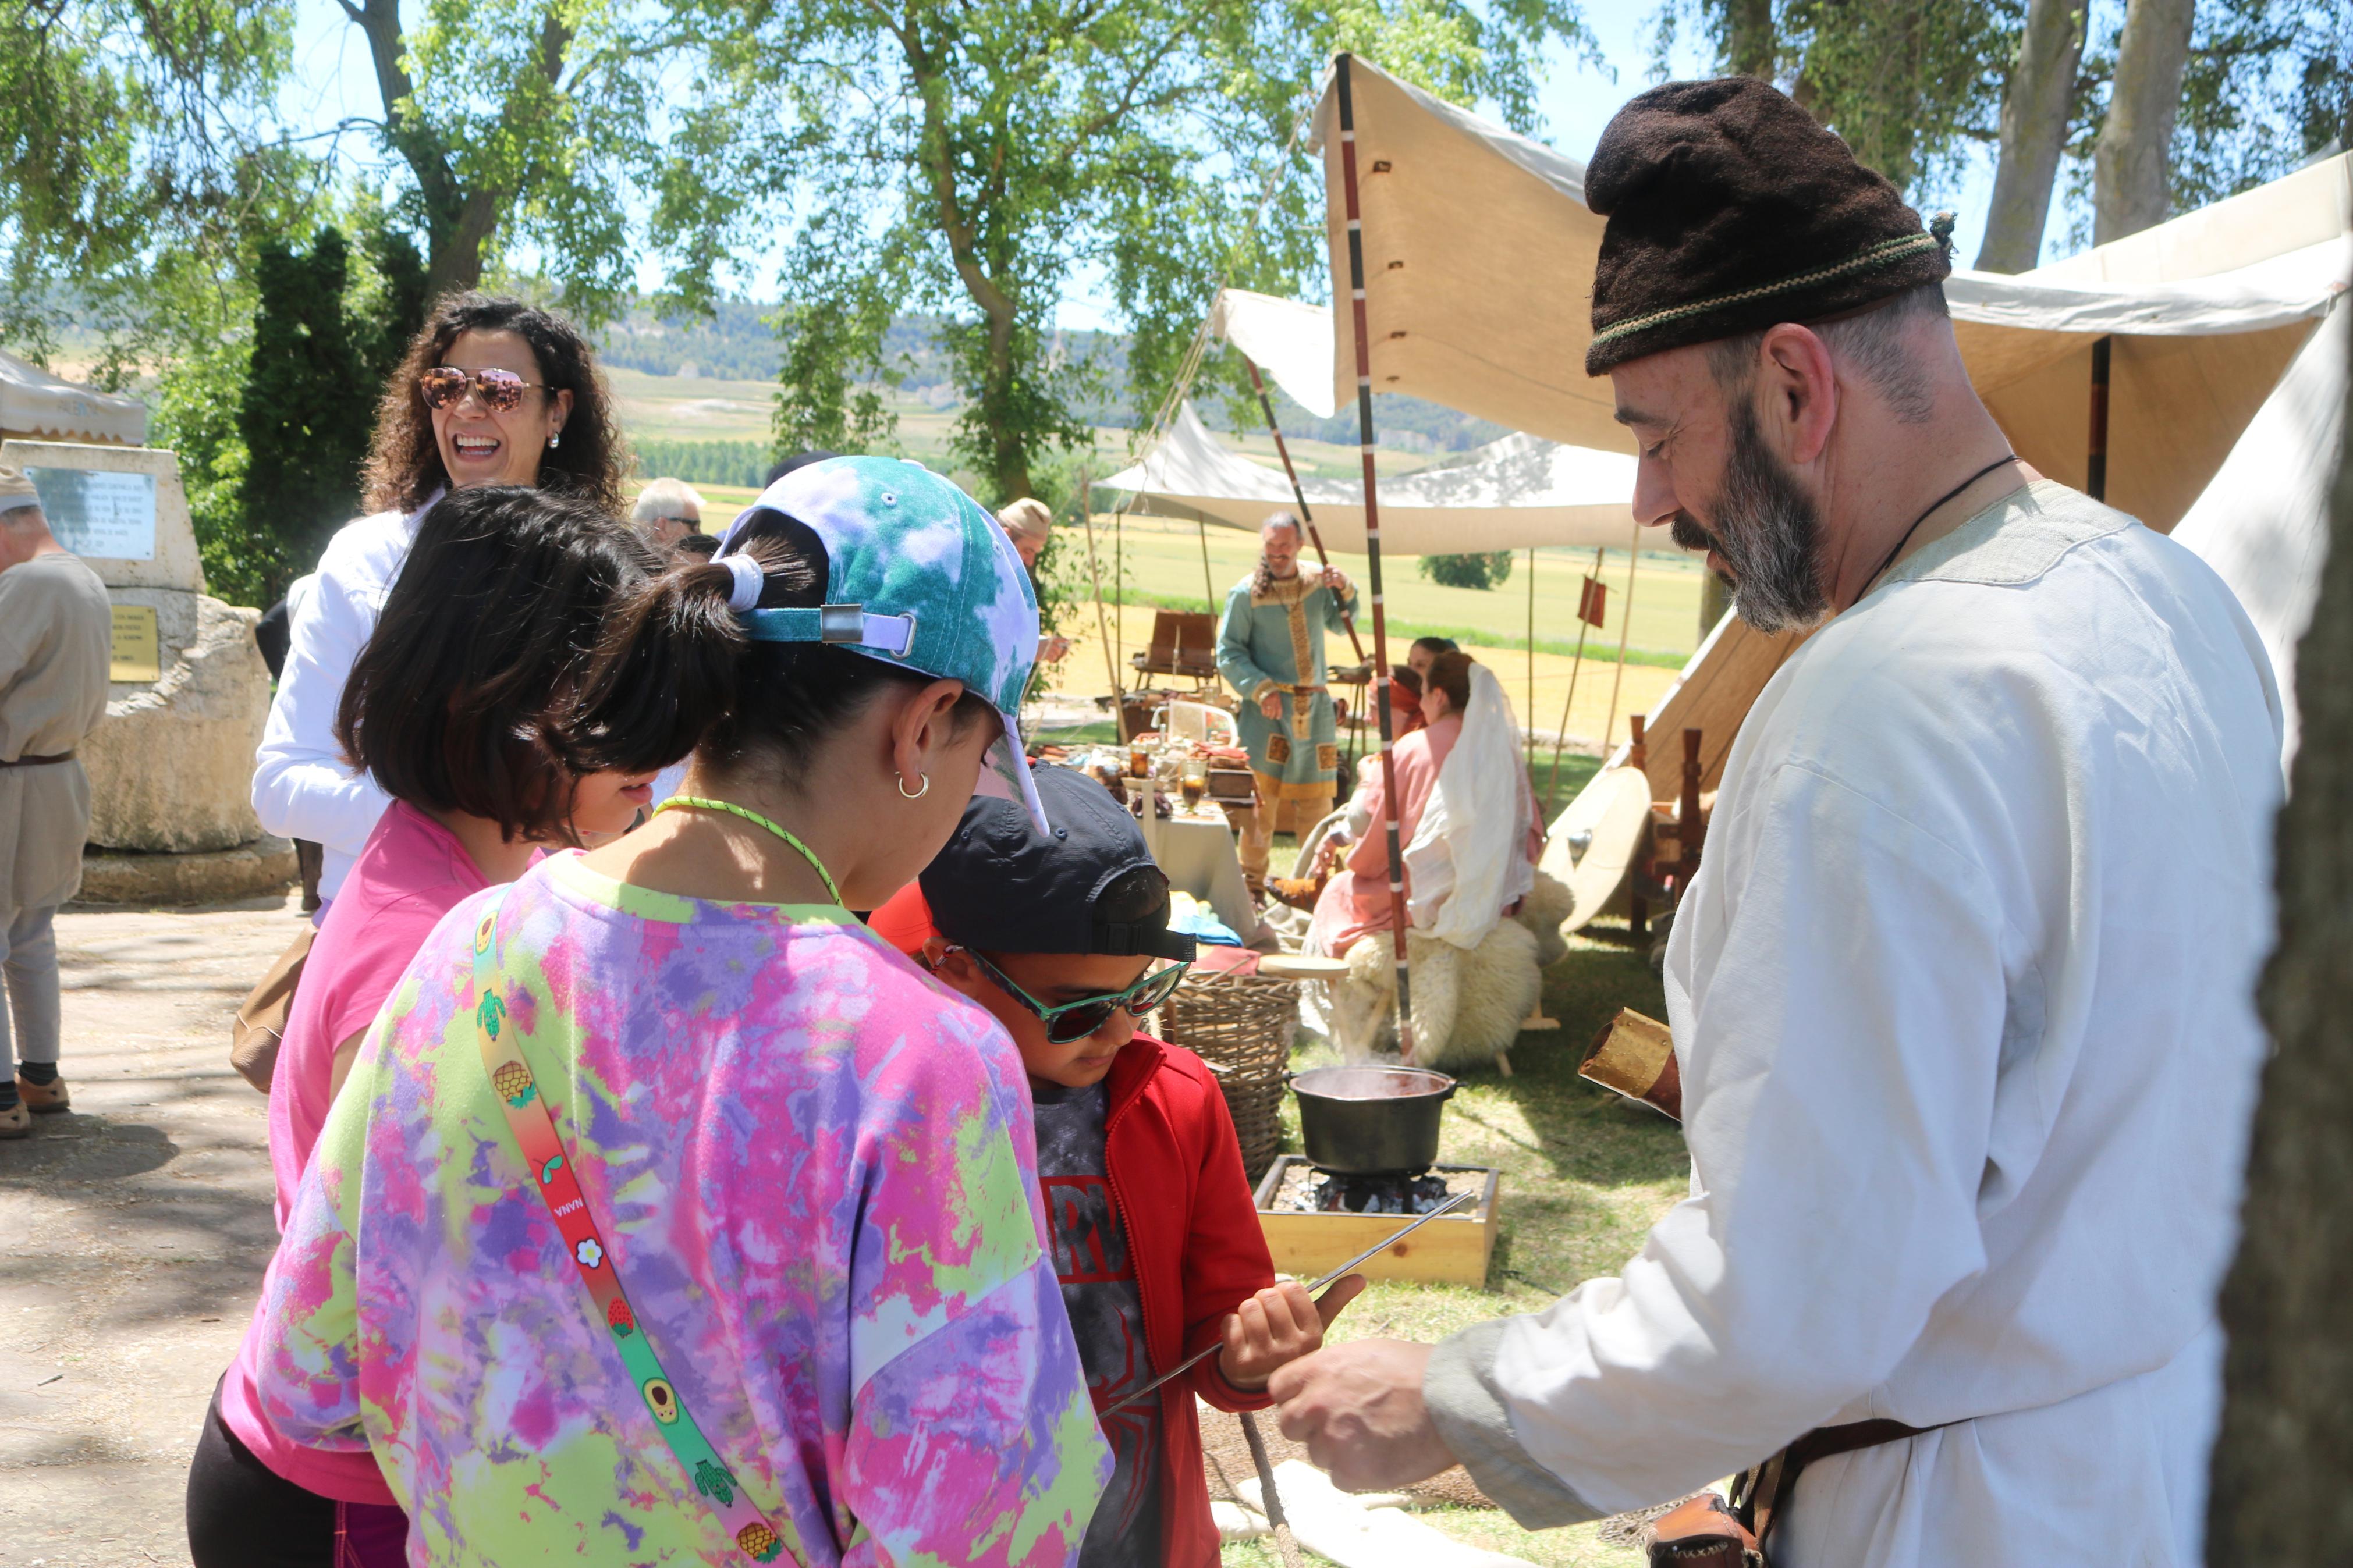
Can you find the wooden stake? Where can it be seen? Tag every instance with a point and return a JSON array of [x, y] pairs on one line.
[[1561, 739], [1103, 628], [1625, 625], [1284, 1541]]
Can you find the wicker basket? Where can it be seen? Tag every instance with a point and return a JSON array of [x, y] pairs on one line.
[[1244, 1024]]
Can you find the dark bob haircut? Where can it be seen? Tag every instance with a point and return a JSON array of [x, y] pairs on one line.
[[405, 465], [487, 633]]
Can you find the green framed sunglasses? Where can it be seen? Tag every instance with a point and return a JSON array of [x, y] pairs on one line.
[[1071, 1022]]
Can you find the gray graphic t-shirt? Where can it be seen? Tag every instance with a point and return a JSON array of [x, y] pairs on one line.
[[1099, 1290]]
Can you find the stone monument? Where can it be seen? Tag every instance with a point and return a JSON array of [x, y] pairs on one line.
[[171, 768]]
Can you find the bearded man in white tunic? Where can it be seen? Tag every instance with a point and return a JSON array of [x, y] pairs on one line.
[[1961, 993]]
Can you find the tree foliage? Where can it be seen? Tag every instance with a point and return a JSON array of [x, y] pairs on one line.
[[1917, 89], [321, 350], [1488, 569], [981, 158]]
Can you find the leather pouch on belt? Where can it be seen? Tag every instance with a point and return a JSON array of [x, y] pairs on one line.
[[1636, 1056], [1702, 1533]]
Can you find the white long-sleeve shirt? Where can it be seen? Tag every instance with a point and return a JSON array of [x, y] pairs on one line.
[[301, 786], [1962, 1000]]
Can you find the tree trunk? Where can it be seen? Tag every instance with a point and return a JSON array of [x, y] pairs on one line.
[[2033, 131], [1008, 454], [2280, 1490], [2130, 165], [1749, 44]]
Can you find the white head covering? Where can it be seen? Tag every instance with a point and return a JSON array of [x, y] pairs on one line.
[[1469, 858]]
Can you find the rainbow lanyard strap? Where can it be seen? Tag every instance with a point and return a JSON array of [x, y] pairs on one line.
[[543, 1153]]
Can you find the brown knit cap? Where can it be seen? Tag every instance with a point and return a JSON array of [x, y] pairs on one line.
[[1730, 210]]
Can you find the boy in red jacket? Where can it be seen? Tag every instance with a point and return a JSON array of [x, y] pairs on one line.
[[1065, 939]]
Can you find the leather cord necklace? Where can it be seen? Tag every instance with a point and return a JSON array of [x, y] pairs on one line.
[[1889, 560]]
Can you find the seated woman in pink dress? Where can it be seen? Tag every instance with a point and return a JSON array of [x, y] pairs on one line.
[[1355, 902]]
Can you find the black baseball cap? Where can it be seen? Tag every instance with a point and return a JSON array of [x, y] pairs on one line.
[[1002, 885]]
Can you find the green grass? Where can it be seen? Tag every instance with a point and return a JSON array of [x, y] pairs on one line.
[[1160, 562], [1490, 1530], [1584, 1175]]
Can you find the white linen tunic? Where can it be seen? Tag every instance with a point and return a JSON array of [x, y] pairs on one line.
[[1962, 1002]]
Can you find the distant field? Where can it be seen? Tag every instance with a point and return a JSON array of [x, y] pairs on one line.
[[1164, 557], [704, 408], [1160, 558]]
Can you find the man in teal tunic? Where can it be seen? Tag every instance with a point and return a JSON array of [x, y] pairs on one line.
[[1270, 651]]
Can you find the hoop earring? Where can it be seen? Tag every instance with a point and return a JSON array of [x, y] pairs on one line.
[[919, 793]]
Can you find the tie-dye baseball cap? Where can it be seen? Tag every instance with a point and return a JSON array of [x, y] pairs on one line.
[[917, 575]]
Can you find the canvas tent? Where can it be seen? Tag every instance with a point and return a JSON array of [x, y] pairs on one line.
[[1513, 494], [1479, 259], [38, 406]]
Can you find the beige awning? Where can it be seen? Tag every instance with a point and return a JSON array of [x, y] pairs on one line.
[[36, 405], [1479, 258], [1518, 493]]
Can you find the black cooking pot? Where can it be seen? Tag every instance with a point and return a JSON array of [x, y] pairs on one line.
[[1365, 1121]]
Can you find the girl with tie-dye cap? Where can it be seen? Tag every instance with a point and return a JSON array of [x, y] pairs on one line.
[[669, 1217]]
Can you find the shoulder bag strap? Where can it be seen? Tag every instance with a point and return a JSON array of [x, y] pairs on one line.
[[533, 1126]]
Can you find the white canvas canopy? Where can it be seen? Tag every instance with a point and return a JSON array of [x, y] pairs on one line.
[[2262, 524], [40, 406], [1479, 259], [1513, 494]]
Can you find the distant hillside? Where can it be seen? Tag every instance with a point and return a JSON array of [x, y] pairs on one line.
[[739, 344]]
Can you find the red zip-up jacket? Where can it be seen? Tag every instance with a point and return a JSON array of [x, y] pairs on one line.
[[1175, 1173]]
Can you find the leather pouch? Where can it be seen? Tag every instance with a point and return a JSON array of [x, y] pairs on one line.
[[1702, 1533], [260, 1025]]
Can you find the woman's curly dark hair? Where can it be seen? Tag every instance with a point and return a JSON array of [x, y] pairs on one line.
[[406, 466]]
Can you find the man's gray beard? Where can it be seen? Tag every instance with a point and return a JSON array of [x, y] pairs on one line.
[[1768, 533], [1265, 579]]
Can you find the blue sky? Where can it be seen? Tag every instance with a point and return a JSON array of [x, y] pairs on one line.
[[332, 79]]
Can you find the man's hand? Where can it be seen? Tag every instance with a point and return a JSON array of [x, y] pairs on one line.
[[1358, 1408], [1279, 1325], [1271, 705], [1337, 580]]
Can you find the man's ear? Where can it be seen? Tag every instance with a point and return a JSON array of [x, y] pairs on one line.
[[1797, 393]]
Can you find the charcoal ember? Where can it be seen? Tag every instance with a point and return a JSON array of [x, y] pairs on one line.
[[1398, 1193]]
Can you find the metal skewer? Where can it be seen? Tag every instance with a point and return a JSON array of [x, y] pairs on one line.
[[1189, 1362]]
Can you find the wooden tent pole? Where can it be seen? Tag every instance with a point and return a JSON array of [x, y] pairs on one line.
[[1373, 548], [1625, 625], [1209, 583], [2095, 459], [1576, 664], [1528, 730], [1299, 496], [1103, 628]]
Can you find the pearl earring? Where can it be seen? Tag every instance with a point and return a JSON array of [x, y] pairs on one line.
[[556, 440]]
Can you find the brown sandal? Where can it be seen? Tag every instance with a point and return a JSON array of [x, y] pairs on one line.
[[43, 1098]]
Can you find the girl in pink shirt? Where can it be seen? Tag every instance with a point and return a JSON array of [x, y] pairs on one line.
[[488, 625]]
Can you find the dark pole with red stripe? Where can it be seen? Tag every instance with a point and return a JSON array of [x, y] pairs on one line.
[[1266, 406], [1373, 549]]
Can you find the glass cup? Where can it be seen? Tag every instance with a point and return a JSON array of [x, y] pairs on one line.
[[1193, 783]]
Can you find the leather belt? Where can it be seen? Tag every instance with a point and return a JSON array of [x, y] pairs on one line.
[[1760, 1494], [36, 762]]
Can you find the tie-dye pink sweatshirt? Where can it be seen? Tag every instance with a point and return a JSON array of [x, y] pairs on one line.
[[815, 1171]]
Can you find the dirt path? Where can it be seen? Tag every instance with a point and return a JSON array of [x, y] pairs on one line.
[[136, 1228]]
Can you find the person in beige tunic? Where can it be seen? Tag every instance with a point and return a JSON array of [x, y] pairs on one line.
[[55, 634]]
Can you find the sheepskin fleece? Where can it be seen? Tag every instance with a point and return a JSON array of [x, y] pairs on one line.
[[1466, 1005]]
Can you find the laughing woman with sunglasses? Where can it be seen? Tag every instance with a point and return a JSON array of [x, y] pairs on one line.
[[491, 391]]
